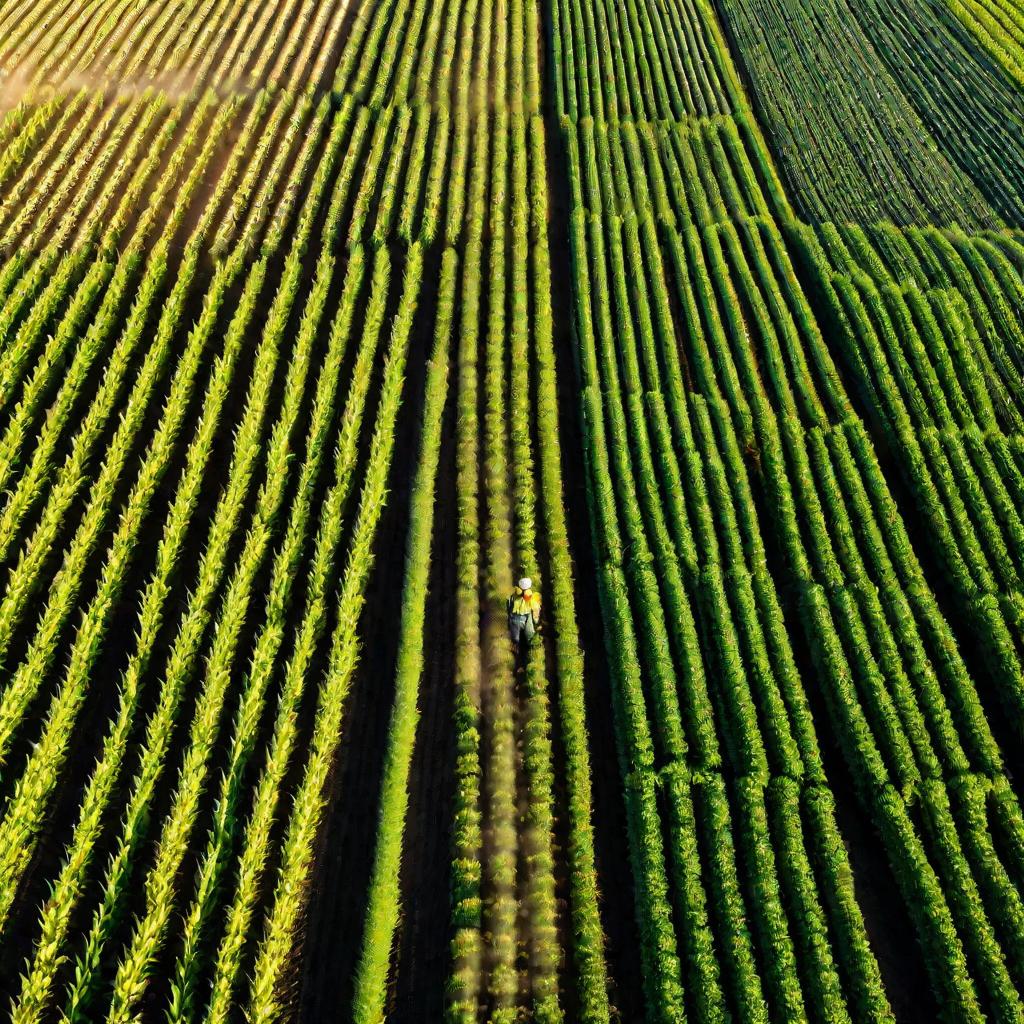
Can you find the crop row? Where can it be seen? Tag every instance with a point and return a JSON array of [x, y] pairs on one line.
[[37, 784], [986, 272], [485, 188], [392, 53], [851, 141], [417, 87], [684, 446], [180, 47], [664, 666], [900, 720], [1000, 28], [209, 309], [663, 61], [689, 173], [960, 93], [504, 896], [40, 781], [942, 398], [405, 166], [211, 784]]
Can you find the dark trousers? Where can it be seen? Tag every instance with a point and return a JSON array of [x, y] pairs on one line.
[[521, 628]]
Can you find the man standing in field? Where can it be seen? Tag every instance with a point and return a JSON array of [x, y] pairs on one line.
[[523, 613]]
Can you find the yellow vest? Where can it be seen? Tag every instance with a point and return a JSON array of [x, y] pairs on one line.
[[525, 603]]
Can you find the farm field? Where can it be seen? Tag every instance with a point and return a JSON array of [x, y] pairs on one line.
[[322, 322]]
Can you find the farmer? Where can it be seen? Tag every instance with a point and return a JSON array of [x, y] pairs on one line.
[[523, 612]]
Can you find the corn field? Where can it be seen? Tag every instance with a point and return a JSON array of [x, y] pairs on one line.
[[323, 322]]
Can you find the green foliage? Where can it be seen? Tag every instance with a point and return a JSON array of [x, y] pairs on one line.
[[790, 433]]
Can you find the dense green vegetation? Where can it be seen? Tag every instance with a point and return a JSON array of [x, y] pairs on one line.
[[321, 324]]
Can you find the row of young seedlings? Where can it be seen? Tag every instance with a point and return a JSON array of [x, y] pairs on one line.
[[416, 165], [121, 271], [150, 928], [36, 786], [51, 171], [382, 906], [359, 70], [27, 575], [503, 873], [150, 932], [208, 43], [105, 278], [85, 213], [642, 62]]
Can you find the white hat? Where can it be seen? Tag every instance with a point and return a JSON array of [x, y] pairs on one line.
[[525, 583]]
